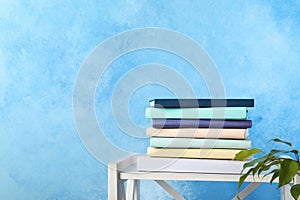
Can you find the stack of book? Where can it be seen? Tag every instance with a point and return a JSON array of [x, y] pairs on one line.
[[212, 130]]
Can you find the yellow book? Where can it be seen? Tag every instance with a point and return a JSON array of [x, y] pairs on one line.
[[228, 154], [198, 133]]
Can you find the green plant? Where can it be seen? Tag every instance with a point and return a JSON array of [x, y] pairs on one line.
[[277, 163]]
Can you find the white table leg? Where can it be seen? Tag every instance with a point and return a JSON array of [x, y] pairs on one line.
[[113, 180], [285, 192], [122, 190], [247, 190], [297, 179], [169, 189], [136, 190], [130, 189], [133, 190], [115, 185]]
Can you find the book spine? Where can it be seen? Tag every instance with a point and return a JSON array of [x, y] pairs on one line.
[[193, 153], [175, 123], [190, 103], [199, 143], [198, 133], [146, 163], [234, 113]]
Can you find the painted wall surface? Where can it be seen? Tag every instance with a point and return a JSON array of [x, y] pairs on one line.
[[254, 44]]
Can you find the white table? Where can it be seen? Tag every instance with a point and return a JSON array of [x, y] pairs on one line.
[[125, 171]]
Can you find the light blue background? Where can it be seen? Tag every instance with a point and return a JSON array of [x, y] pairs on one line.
[[255, 45]]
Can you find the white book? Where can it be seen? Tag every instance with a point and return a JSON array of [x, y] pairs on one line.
[[160, 164]]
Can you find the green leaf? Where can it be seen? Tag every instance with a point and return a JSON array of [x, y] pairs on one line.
[[253, 162], [268, 166], [294, 151], [244, 154], [274, 151], [274, 163], [295, 191], [257, 167], [284, 142], [275, 175], [243, 177], [271, 172], [287, 171], [263, 168]]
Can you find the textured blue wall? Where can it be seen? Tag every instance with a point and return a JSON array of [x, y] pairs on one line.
[[255, 45]]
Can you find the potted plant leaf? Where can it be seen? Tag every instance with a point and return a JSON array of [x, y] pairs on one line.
[[281, 164]]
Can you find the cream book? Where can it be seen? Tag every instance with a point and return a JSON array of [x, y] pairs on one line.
[[228, 154], [203, 143], [146, 163], [198, 133]]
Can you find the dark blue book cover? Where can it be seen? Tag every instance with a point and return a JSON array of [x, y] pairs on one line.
[[200, 103]]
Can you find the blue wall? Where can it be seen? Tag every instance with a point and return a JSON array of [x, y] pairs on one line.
[[255, 45]]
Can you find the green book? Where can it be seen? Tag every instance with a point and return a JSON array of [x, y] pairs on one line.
[[233, 113], [199, 143]]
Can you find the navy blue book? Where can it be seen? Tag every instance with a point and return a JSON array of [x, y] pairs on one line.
[[191, 123], [201, 103]]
